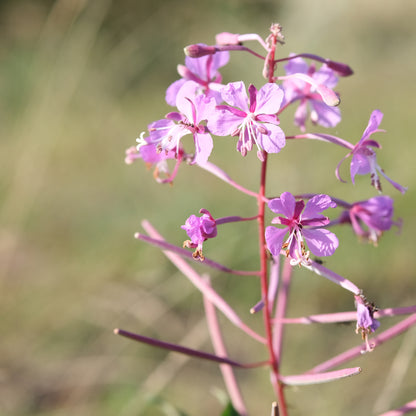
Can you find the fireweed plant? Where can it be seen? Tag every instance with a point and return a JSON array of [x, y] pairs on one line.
[[300, 231]]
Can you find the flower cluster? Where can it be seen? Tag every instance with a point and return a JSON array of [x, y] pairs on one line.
[[205, 108]]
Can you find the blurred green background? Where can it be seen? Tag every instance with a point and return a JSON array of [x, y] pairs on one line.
[[79, 80]]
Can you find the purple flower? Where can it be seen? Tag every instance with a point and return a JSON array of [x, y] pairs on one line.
[[366, 324], [371, 217], [166, 134], [204, 72], [364, 159], [199, 229], [302, 223], [252, 119], [308, 95]]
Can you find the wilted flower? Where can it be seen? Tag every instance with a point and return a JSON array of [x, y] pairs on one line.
[[199, 229], [366, 324]]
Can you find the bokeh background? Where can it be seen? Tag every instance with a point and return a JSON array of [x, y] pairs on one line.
[[79, 80]]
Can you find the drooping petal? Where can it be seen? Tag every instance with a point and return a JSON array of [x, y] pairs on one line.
[[301, 114], [399, 187], [203, 147], [326, 116], [376, 212], [284, 205], [321, 242], [274, 239], [193, 229], [360, 163], [365, 320]]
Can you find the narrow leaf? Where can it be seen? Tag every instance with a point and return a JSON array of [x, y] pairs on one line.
[[305, 379], [176, 348]]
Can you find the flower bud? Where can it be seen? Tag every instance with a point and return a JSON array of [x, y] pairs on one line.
[[341, 69], [226, 38], [198, 50]]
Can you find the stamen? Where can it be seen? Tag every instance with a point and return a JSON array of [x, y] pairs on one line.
[[141, 141]]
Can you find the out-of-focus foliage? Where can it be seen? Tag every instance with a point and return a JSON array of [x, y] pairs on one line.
[[79, 80]]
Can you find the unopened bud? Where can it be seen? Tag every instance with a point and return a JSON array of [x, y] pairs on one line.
[[226, 38], [341, 69], [198, 50]]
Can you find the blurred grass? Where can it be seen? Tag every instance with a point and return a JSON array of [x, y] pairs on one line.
[[79, 80]]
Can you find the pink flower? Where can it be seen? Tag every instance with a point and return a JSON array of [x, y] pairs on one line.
[[148, 152], [302, 223], [204, 72], [252, 119], [371, 217], [199, 229], [366, 324], [193, 110], [310, 99], [364, 159]]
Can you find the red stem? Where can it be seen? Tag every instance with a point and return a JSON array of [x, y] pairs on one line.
[[264, 291], [274, 364]]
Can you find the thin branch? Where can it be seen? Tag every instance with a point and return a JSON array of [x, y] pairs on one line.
[[220, 350]]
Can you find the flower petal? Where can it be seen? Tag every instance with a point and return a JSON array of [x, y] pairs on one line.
[[274, 140], [203, 147], [326, 76], [274, 239], [373, 123], [185, 99], [235, 94], [284, 205], [326, 116], [316, 205], [173, 90], [360, 164], [321, 242], [223, 122], [269, 99]]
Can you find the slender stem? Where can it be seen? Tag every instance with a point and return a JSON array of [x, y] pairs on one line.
[[281, 307], [263, 273], [221, 351], [268, 72]]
